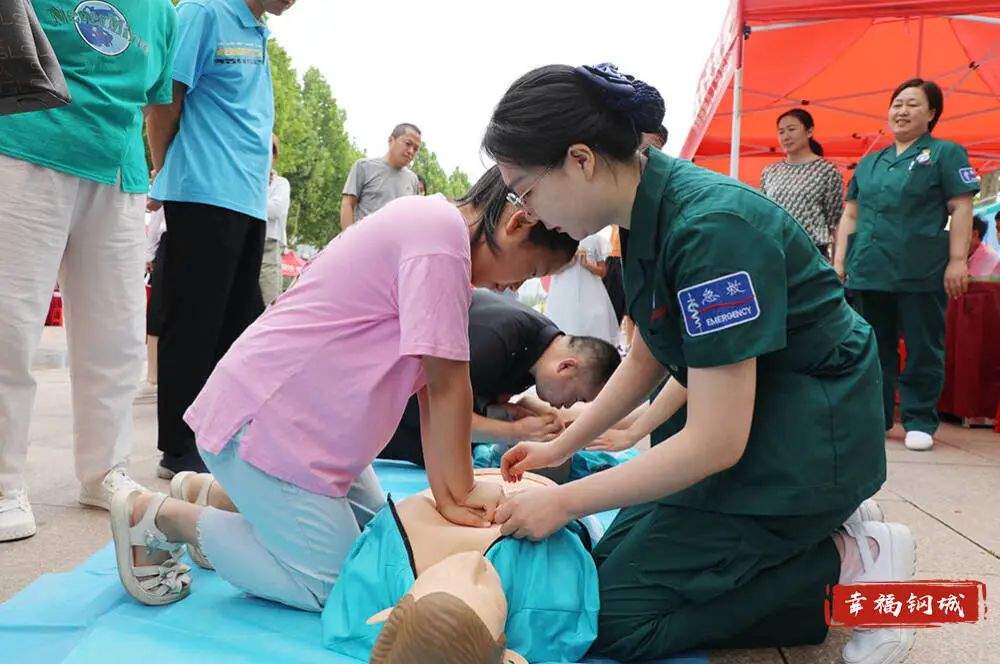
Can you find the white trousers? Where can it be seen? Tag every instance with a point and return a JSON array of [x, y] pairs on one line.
[[90, 237], [270, 271]]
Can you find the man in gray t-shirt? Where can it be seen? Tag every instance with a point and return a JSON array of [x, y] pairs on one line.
[[374, 182]]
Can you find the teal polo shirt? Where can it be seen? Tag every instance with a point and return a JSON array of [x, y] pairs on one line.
[[221, 154], [116, 57]]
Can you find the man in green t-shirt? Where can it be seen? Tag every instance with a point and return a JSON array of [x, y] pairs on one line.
[[73, 182]]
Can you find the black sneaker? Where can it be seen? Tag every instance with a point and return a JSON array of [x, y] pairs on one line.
[[170, 465]]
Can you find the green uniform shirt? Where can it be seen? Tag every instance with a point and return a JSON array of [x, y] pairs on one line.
[[716, 273], [900, 244], [116, 56]]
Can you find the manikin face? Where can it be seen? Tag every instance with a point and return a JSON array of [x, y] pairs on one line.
[[793, 135], [472, 579], [909, 114], [403, 149]]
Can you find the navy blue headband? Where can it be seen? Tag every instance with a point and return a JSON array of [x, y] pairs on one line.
[[626, 94]]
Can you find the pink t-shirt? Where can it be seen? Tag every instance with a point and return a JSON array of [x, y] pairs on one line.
[[984, 262], [323, 376]]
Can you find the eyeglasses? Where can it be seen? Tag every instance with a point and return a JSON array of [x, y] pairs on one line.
[[518, 201]]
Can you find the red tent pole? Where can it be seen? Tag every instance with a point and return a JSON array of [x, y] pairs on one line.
[[734, 137]]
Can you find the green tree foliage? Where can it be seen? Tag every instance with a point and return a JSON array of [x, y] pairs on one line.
[[426, 165], [458, 183], [316, 152]]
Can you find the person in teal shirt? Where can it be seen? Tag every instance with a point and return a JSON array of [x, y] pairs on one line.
[[211, 150], [72, 184], [732, 528], [897, 255]]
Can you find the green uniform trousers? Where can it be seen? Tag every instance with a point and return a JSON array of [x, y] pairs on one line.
[[919, 319], [674, 579]]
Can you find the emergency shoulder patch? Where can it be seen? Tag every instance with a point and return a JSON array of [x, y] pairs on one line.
[[718, 304]]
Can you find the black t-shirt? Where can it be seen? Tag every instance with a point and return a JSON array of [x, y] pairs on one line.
[[506, 338]]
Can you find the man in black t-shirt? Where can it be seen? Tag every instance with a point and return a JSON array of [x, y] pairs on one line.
[[512, 348]]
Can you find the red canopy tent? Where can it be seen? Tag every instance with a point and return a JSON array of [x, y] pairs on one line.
[[841, 59]]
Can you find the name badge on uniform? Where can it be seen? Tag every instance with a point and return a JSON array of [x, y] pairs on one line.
[[922, 159], [968, 175], [718, 304]]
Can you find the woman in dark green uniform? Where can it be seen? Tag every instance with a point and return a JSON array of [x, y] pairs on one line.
[[902, 263], [729, 532]]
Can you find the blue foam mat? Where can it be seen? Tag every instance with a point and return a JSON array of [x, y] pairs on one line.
[[84, 615]]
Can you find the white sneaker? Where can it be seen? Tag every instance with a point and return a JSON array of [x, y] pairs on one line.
[[16, 518], [887, 645], [919, 441], [869, 510], [146, 394], [98, 494], [896, 561]]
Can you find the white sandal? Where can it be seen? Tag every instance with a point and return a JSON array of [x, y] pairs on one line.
[[155, 585], [177, 491]]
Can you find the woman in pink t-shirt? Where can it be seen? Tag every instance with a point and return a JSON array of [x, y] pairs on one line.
[[293, 415]]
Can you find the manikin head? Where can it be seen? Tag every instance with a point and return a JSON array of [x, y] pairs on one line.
[[456, 611], [404, 142], [574, 369]]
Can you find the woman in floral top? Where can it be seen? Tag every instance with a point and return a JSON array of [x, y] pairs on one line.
[[804, 183]]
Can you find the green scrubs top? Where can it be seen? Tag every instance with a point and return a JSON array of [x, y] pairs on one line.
[[900, 244], [716, 273]]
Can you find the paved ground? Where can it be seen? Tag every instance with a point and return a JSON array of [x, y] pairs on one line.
[[949, 498]]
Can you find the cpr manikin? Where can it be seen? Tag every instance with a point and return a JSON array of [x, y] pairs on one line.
[[417, 587]]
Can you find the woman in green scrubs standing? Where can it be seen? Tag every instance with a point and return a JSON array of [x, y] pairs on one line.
[[732, 528], [902, 263]]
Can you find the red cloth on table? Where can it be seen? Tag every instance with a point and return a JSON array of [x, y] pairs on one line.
[[972, 353], [55, 315]]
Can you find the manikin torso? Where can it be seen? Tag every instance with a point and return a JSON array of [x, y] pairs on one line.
[[433, 538]]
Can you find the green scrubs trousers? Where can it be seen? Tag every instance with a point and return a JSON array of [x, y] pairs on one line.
[[673, 579], [919, 319]]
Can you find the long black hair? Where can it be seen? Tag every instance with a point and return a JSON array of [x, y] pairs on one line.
[[806, 118], [552, 107], [935, 98], [489, 197]]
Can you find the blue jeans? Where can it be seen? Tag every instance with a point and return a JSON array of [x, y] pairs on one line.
[[286, 544]]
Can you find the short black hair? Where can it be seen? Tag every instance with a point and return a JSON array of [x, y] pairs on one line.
[[663, 134], [404, 127], [996, 217], [551, 108], [935, 98], [489, 196], [979, 226], [601, 358]]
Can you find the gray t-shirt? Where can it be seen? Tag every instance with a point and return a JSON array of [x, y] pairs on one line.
[[375, 183]]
